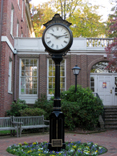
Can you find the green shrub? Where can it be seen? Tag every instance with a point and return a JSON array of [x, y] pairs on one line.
[[70, 110], [46, 105], [81, 109], [16, 107], [32, 112]]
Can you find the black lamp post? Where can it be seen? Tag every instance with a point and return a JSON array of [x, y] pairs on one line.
[[76, 71]]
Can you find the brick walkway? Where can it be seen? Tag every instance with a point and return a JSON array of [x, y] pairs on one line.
[[107, 139]]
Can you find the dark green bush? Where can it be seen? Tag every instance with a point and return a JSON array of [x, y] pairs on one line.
[[70, 110], [46, 105], [16, 107], [81, 109], [32, 112]]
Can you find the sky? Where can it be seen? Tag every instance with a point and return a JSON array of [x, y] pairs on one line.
[[104, 10]]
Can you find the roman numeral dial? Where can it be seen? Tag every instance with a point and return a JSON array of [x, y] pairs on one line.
[[57, 37]]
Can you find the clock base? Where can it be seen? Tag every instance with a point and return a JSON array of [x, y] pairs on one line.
[[56, 142]]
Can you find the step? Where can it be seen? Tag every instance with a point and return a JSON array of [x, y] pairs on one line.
[[111, 123], [110, 115], [110, 119], [108, 107], [111, 127], [111, 110]]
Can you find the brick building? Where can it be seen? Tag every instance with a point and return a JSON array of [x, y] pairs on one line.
[[15, 21], [36, 70], [27, 71]]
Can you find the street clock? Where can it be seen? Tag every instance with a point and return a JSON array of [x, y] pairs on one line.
[[57, 37]]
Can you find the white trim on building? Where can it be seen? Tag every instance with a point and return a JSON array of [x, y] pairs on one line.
[[5, 39], [10, 77]]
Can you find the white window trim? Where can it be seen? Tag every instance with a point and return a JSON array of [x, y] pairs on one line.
[[10, 77], [18, 4], [21, 33], [50, 95], [29, 98], [17, 30], [12, 14], [23, 10]]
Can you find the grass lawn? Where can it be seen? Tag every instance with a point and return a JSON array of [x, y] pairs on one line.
[[5, 132]]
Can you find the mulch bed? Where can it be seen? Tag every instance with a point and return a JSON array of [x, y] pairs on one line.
[[83, 131]]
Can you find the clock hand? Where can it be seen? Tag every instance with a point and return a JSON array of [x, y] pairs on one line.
[[57, 36], [61, 36], [53, 35]]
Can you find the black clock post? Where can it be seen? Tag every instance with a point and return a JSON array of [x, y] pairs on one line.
[[63, 42], [56, 136]]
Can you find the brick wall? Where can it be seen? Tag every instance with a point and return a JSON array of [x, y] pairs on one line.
[[5, 97], [85, 62], [42, 87], [7, 5]]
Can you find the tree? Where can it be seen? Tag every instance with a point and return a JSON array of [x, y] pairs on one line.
[[111, 49], [40, 15], [66, 7], [86, 22], [112, 20]]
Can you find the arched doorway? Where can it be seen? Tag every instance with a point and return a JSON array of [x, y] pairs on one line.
[[104, 82]]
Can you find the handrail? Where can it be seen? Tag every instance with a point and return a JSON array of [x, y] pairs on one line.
[[98, 42], [97, 95]]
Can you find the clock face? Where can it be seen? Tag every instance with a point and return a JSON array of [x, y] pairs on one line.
[[57, 37]]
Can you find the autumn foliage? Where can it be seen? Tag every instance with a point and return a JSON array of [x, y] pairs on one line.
[[86, 22], [111, 49]]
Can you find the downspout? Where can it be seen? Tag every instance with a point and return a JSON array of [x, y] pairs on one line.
[[15, 76], [1, 21]]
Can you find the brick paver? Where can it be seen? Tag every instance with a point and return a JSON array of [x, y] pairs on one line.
[[107, 139]]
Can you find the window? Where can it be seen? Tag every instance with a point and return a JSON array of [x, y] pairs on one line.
[[17, 30], [116, 86], [22, 9], [28, 76], [51, 77], [101, 67], [10, 76], [92, 83], [12, 13]]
